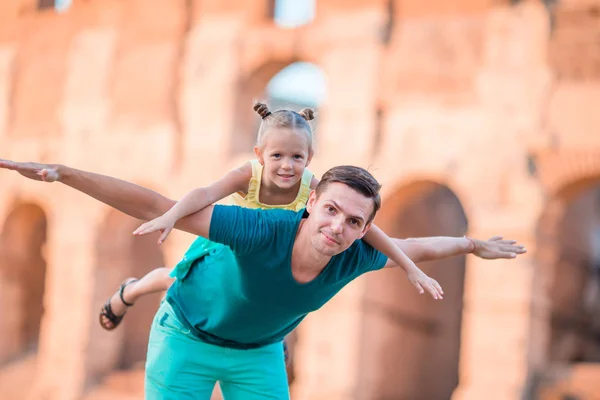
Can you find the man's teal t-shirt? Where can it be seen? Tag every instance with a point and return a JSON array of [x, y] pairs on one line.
[[242, 294]]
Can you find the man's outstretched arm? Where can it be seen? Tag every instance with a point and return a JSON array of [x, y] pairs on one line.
[[436, 248], [129, 198]]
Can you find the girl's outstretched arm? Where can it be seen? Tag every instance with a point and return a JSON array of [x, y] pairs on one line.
[[380, 241], [196, 200]]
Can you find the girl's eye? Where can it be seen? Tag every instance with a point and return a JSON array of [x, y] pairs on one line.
[[276, 155], [330, 209], [298, 157]]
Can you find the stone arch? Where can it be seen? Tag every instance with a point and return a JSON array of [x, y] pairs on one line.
[[564, 173], [565, 309], [252, 87], [22, 280], [410, 343], [256, 86], [120, 255]]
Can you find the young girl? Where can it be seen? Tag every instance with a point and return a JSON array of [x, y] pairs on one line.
[[278, 178]]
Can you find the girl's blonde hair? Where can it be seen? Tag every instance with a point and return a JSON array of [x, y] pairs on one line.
[[284, 119]]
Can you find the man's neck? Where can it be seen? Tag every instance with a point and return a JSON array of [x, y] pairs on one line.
[[307, 263]]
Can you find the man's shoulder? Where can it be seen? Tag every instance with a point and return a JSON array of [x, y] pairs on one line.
[[260, 218], [275, 213], [278, 213], [359, 258], [247, 230], [278, 218], [360, 247]]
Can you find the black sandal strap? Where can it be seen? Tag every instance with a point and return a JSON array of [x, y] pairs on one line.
[[122, 289], [108, 313]]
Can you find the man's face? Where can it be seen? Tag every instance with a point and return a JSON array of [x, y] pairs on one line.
[[337, 218]]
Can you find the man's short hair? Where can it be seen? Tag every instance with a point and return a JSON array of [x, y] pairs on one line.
[[358, 179]]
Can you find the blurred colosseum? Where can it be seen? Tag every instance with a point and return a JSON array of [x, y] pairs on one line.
[[480, 117]]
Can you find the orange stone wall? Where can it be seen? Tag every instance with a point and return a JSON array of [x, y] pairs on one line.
[[495, 103]]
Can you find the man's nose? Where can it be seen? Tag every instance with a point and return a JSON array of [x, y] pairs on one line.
[[337, 225]]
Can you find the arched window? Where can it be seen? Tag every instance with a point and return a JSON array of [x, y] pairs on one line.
[[295, 86], [58, 5], [300, 83], [293, 13]]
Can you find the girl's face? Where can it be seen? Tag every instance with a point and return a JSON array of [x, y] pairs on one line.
[[284, 154]]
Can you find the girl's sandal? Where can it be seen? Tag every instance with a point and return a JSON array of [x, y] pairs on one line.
[[107, 311]]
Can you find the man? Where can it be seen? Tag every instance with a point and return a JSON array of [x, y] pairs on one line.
[[225, 320]]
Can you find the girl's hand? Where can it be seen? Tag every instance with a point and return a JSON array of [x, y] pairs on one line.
[[424, 283], [164, 224]]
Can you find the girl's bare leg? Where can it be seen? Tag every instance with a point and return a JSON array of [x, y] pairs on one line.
[[155, 281]]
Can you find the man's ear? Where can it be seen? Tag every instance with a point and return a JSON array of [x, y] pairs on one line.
[[365, 230], [312, 198]]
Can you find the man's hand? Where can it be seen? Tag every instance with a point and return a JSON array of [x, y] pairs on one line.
[[35, 171], [496, 247]]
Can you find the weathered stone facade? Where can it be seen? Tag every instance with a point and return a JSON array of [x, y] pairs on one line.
[[479, 116]]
